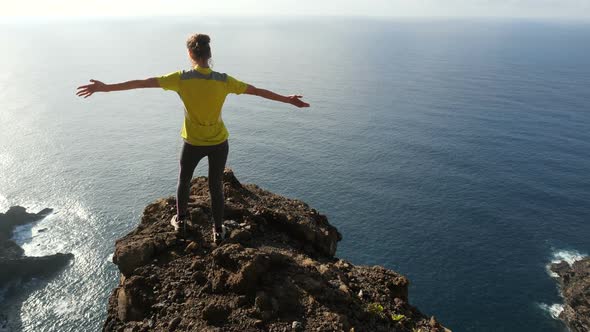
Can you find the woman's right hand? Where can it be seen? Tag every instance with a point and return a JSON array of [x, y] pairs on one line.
[[87, 90]]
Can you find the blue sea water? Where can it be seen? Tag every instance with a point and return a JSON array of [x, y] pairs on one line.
[[456, 152]]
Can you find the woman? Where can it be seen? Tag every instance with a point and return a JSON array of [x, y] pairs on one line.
[[203, 93]]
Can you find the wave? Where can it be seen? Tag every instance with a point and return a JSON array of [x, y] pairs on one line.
[[76, 208], [68, 307], [559, 255], [553, 310], [51, 234], [569, 256]]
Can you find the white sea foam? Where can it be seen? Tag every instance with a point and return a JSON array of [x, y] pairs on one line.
[[4, 205], [569, 256], [67, 307], [55, 236], [77, 209], [25, 234], [553, 310], [559, 255], [63, 307]]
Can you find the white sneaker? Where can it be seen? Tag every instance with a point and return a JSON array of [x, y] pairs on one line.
[[179, 225], [219, 237]]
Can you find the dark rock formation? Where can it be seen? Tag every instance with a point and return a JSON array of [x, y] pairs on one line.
[[575, 288], [13, 263], [16, 216], [275, 272]]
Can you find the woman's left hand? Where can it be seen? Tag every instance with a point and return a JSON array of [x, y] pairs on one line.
[[296, 100]]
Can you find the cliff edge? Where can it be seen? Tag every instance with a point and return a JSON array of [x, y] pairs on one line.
[[574, 282], [275, 272]]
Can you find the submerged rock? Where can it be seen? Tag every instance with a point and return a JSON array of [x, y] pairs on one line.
[[575, 288], [275, 272]]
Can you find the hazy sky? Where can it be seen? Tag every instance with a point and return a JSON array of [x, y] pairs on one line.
[[501, 8]]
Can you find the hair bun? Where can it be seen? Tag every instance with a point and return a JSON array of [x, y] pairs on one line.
[[198, 44], [203, 39]]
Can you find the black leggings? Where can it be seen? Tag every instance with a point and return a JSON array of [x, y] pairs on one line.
[[189, 158]]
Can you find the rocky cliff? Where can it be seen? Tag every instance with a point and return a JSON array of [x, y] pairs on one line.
[[575, 288], [275, 272]]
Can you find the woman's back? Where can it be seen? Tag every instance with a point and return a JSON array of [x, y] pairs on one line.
[[203, 92]]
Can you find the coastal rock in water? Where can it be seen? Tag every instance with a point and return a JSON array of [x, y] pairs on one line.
[[275, 272], [13, 263], [28, 267], [575, 288], [16, 216]]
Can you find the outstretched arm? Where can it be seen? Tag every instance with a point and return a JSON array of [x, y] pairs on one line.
[[292, 99], [98, 86]]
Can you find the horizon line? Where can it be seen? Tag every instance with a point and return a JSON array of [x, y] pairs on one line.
[[15, 19]]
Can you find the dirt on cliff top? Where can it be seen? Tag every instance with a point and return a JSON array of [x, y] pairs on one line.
[[275, 272]]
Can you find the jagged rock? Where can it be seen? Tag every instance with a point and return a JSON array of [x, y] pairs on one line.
[[276, 268], [215, 314], [28, 267], [141, 250], [18, 215], [134, 299], [575, 288], [174, 323], [241, 235], [13, 263]]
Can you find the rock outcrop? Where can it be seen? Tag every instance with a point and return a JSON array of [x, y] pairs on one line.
[[575, 288], [16, 216], [13, 263], [275, 272]]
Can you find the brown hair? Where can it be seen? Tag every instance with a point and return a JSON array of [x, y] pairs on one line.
[[198, 44]]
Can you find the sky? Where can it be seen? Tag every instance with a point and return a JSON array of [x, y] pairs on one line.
[[575, 9]]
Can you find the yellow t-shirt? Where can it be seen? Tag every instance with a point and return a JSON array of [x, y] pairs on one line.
[[203, 92]]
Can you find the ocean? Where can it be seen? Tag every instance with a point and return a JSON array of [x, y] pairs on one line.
[[455, 152]]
